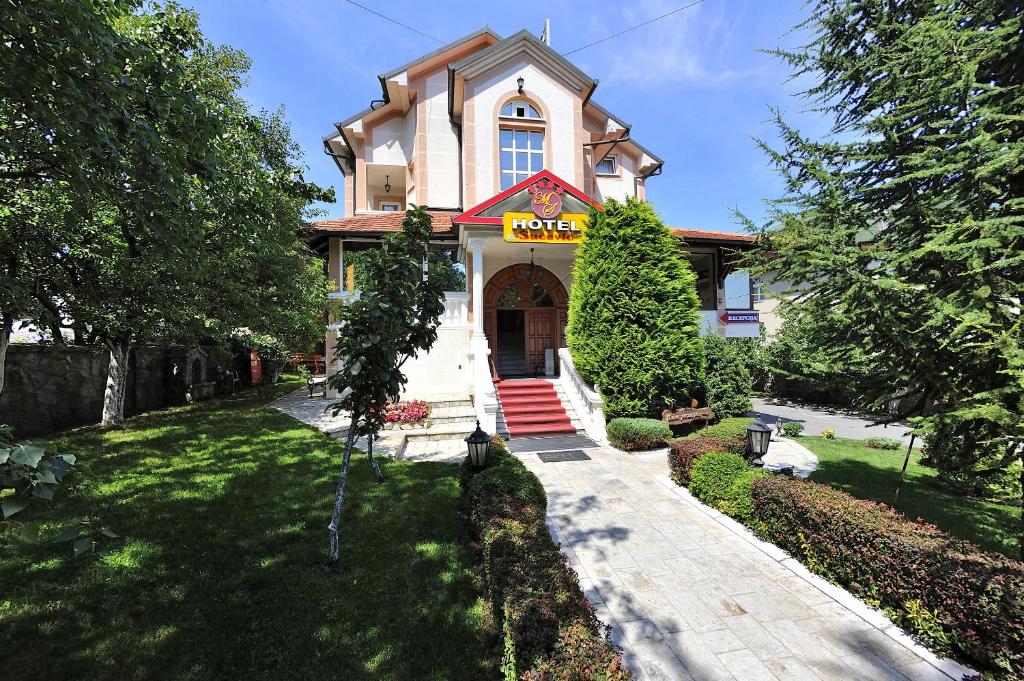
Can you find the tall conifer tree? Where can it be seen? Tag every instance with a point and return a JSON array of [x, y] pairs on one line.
[[906, 225]]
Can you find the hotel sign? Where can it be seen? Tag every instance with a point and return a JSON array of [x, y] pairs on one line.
[[739, 318], [547, 223]]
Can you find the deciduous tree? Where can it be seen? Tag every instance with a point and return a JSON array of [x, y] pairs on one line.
[[394, 318]]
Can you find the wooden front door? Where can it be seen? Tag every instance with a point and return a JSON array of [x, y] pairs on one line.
[[540, 336], [544, 303]]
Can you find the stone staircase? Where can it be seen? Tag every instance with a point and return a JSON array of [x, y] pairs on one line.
[[532, 408]]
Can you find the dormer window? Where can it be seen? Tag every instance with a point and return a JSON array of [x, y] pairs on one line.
[[519, 108], [607, 166]]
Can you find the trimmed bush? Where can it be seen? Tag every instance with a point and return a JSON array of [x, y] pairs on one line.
[[926, 579], [633, 434], [792, 428], [727, 383], [829, 434], [724, 481], [634, 314], [548, 628], [682, 453], [579, 655], [504, 487], [882, 443], [734, 427]]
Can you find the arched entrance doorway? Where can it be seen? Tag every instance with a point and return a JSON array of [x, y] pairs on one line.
[[523, 317]]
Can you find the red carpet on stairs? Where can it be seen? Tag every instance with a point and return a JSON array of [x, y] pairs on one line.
[[532, 408]]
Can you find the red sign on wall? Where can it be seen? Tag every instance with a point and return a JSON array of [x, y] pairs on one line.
[[739, 318]]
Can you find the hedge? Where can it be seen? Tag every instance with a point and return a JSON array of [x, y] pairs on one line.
[[635, 434], [943, 588], [548, 628], [684, 452], [634, 314], [727, 383], [724, 481]]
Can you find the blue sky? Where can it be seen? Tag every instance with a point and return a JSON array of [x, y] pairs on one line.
[[694, 86]]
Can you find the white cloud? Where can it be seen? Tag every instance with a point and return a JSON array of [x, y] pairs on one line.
[[696, 46]]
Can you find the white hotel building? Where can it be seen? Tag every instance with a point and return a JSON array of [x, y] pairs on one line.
[[493, 135]]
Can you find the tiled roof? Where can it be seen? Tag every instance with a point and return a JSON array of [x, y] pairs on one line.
[[381, 223], [707, 235]]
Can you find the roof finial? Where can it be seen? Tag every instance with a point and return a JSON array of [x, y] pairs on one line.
[[545, 35]]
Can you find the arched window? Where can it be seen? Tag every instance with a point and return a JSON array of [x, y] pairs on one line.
[[519, 108], [520, 145]]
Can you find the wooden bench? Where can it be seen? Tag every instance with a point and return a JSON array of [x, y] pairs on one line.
[[686, 415]]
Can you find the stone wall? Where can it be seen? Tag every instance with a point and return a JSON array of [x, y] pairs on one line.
[[52, 388]]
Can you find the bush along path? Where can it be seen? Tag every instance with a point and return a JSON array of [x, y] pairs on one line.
[[953, 596], [548, 629], [689, 593]]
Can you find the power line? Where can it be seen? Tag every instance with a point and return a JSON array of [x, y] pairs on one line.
[[632, 28], [394, 21]]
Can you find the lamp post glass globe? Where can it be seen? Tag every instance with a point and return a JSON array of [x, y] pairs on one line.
[[477, 444], [758, 437]]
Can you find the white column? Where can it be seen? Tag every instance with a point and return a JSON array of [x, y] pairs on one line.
[[485, 399], [476, 247]]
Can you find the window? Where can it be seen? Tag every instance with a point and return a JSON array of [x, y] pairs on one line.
[[607, 166], [522, 154], [517, 108], [390, 206]]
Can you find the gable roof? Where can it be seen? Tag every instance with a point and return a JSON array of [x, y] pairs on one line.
[[475, 215]]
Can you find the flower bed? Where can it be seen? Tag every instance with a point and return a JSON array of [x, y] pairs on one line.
[[950, 593], [683, 453], [405, 413], [954, 596], [548, 628]]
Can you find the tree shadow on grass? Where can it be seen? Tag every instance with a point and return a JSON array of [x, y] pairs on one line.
[[989, 524], [221, 572]]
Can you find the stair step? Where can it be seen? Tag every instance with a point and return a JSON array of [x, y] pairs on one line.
[[528, 431], [546, 404], [531, 392], [531, 407], [535, 420]]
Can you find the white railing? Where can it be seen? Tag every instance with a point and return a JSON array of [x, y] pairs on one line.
[[586, 401], [485, 397], [456, 309]]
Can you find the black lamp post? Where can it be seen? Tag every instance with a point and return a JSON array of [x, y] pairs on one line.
[[477, 444], [758, 437]]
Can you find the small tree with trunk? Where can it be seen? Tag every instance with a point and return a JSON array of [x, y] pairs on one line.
[[395, 318]]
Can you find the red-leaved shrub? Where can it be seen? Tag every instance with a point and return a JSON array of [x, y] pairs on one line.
[[920, 574], [682, 453]]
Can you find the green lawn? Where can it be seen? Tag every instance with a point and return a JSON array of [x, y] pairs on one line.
[[873, 473], [223, 509]]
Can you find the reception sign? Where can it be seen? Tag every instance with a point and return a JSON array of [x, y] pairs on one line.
[[547, 222]]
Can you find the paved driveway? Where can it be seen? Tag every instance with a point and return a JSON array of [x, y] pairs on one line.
[[816, 419], [691, 595]]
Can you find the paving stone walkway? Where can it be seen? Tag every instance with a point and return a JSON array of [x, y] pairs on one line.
[[690, 594]]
